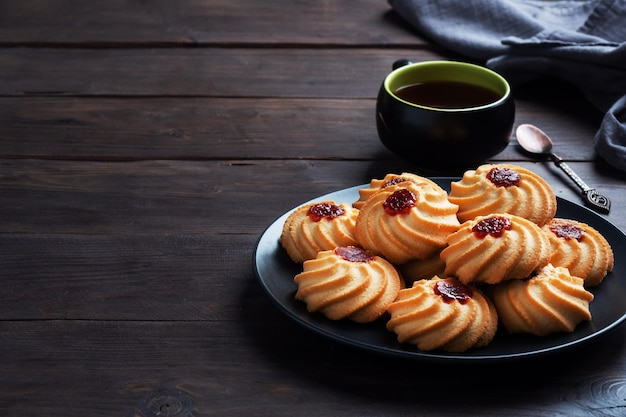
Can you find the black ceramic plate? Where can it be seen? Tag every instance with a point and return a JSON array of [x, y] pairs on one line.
[[276, 271]]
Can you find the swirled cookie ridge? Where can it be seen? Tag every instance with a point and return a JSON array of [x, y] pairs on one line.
[[388, 180], [406, 221], [503, 188], [494, 248], [318, 226], [442, 314], [581, 249], [348, 283], [549, 302]]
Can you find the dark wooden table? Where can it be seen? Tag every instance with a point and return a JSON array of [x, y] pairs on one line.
[[145, 147]]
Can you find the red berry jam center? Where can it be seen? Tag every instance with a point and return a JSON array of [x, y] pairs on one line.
[[394, 181], [493, 226], [399, 202], [450, 290], [566, 229], [504, 177], [354, 254], [321, 211]]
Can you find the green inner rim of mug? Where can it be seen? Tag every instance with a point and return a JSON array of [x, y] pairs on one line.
[[448, 71]]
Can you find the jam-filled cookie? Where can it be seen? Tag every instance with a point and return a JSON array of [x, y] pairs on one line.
[[348, 283], [503, 188], [315, 227], [406, 221], [443, 314], [495, 248]]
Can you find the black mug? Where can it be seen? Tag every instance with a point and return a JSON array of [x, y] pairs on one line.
[[444, 115]]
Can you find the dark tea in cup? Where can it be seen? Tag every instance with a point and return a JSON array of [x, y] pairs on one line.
[[447, 94], [445, 116]]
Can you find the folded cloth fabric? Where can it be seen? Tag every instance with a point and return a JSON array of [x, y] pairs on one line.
[[581, 42]]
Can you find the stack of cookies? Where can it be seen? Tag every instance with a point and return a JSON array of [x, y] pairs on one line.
[[446, 269]]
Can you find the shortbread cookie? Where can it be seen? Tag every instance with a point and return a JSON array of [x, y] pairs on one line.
[[443, 314], [503, 188], [390, 179], [423, 268], [406, 221], [348, 283], [495, 248], [552, 301], [581, 249], [319, 226]]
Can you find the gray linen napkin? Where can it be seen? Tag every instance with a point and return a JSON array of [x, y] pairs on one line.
[[582, 42]]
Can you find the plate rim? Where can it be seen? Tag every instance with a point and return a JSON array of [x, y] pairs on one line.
[[416, 354]]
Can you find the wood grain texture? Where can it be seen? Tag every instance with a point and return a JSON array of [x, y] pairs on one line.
[[197, 72], [199, 128], [164, 240], [162, 22], [165, 197], [117, 367], [145, 147]]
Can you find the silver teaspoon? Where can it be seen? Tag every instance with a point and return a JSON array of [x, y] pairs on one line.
[[535, 141]]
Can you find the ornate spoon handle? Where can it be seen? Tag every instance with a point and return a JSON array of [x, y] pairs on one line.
[[593, 199]]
